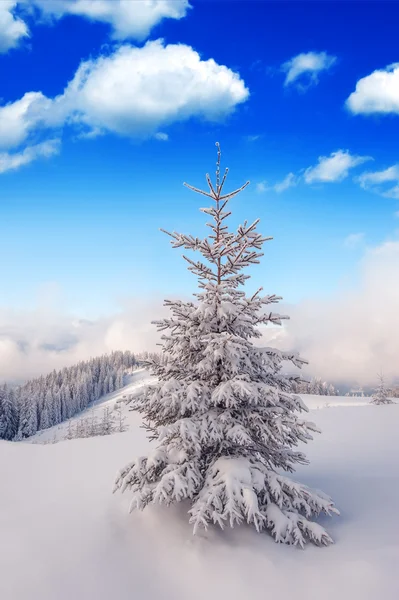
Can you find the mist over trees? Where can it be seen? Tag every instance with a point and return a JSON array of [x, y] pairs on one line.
[[48, 400]]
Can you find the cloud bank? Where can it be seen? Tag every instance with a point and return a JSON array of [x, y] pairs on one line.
[[347, 338], [351, 336]]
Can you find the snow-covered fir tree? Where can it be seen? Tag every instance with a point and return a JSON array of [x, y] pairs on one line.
[[120, 419], [380, 395], [107, 423], [222, 412], [8, 414], [27, 417]]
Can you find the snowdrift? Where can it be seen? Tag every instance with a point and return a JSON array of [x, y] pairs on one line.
[[63, 534]]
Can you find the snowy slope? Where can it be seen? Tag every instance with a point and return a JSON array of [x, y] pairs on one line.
[[136, 382], [64, 535]]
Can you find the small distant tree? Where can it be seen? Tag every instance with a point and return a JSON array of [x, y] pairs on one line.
[[71, 432], [92, 429], [380, 395], [120, 418], [222, 411], [107, 423]]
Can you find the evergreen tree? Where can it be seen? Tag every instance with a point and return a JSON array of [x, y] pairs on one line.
[[8, 414], [222, 411], [120, 418], [107, 424], [381, 393], [71, 433], [28, 417], [47, 417]]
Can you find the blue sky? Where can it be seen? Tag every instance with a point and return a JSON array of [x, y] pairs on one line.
[[302, 96]]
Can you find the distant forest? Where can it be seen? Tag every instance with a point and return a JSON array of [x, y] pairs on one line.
[[48, 400]]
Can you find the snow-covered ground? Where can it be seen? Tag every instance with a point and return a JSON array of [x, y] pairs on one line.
[[63, 535]]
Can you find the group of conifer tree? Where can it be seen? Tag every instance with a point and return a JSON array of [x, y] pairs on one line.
[[46, 401]]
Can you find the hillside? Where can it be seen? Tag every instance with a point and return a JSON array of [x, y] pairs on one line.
[[134, 384], [64, 535]]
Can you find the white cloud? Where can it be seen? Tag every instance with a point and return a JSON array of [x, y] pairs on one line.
[[353, 240], [36, 341], [253, 138], [134, 92], [377, 92], [12, 28], [161, 136], [306, 67], [19, 118], [12, 161], [289, 181], [329, 169], [334, 167], [262, 187], [128, 19], [352, 335], [374, 182]]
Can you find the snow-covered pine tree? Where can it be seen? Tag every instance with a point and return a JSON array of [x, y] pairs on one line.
[[222, 412], [107, 423], [380, 395], [8, 414], [28, 417], [120, 418]]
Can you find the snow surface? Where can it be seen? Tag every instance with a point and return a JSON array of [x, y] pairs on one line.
[[63, 534]]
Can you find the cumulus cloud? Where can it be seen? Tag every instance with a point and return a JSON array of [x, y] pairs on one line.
[[352, 335], [12, 28], [128, 19], [376, 182], [377, 92], [134, 92], [12, 161], [306, 68], [334, 167]]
